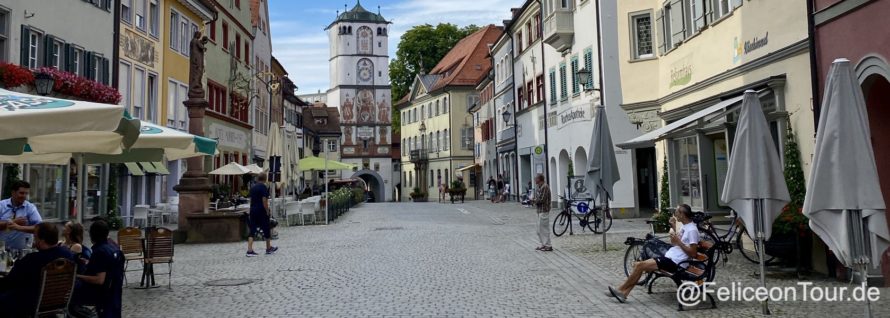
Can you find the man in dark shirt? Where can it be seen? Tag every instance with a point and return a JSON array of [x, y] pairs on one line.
[[20, 289], [101, 284], [500, 191], [259, 216]]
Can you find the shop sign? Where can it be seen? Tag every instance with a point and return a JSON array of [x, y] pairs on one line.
[[227, 136], [681, 71], [741, 49], [573, 115]]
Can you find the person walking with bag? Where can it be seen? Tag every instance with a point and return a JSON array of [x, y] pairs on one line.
[[542, 203]]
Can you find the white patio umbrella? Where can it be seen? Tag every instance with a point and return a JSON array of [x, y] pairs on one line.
[[755, 184], [844, 201], [230, 169], [602, 167], [153, 143], [254, 168], [51, 125]]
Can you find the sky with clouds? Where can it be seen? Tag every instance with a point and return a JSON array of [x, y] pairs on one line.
[[300, 42]]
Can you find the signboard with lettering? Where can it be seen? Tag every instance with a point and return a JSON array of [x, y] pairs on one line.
[[740, 49], [365, 132], [228, 137], [681, 71], [573, 115]]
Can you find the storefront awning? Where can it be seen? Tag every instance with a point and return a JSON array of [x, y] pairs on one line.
[[134, 169], [148, 167], [468, 167], [649, 139], [161, 168]]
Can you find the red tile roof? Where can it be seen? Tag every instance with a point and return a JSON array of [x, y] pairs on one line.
[[468, 62]]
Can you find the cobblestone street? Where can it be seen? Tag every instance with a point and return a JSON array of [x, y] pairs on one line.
[[434, 260]]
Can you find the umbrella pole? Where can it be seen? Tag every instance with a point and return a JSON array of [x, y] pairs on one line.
[[605, 206], [759, 228], [81, 177], [327, 200], [860, 251]]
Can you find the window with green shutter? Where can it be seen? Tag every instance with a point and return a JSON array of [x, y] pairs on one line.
[[564, 89], [575, 84], [553, 86], [588, 65]]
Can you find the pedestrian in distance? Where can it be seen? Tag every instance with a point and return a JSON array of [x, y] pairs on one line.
[[260, 216], [542, 203], [500, 190], [492, 191]]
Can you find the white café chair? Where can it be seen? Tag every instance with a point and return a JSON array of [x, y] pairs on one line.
[[140, 212], [292, 209]]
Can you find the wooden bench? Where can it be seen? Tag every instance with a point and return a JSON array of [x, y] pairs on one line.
[[699, 270]]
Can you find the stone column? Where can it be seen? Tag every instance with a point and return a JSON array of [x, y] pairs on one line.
[[194, 186]]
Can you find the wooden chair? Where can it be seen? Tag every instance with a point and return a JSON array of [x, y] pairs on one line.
[[130, 240], [56, 286], [159, 250]]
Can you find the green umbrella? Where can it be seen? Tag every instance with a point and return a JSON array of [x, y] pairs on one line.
[[316, 163]]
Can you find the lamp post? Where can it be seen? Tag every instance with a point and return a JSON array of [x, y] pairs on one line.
[[44, 83], [584, 75], [421, 170]]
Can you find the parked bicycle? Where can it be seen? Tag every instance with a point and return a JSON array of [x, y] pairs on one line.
[[597, 219]]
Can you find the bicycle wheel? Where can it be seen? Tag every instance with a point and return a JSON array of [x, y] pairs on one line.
[[631, 256], [748, 247], [561, 223], [600, 224]]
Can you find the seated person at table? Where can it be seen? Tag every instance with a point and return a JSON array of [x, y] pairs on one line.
[[101, 284], [73, 234], [685, 246], [20, 289], [18, 217]]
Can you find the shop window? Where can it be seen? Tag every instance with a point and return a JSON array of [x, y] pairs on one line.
[[687, 172]]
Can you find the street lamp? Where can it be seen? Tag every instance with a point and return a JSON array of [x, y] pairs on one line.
[[44, 83], [584, 75], [507, 115]]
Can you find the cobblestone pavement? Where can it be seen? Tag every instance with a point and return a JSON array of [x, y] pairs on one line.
[[432, 260]]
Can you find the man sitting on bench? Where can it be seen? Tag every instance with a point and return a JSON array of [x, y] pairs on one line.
[[685, 245]]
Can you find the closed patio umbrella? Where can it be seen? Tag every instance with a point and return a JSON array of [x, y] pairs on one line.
[[755, 183], [844, 200], [275, 149], [602, 167]]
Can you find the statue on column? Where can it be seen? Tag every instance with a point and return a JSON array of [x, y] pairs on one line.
[[196, 65]]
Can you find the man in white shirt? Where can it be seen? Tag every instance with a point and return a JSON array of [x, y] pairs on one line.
[[685, 245]]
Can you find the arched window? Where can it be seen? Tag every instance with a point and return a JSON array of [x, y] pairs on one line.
[[447, 141], [349, 30], [379, 31], [365, 38], [437, 108], [445, 103], [438, 141], [422, 112], [430, 110]]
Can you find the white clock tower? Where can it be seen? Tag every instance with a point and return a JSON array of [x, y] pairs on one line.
[[359, 72]]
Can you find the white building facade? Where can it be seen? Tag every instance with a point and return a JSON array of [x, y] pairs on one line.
[[359, 72]]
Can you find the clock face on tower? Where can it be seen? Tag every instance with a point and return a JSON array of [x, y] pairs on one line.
[[365, 71]]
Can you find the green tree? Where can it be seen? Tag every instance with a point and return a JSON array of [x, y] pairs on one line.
[[663, 214], [420, 49], [792, 220]]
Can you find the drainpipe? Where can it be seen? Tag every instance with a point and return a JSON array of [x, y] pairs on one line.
[[814, 64], [116, 41], [546, 115]]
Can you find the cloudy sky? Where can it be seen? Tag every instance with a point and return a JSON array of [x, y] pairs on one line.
[[300, 43]]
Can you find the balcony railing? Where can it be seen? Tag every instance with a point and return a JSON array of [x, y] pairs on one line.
[[418, 156], [506, 134], [559, 29]]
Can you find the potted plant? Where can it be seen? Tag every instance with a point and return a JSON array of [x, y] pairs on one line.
[[791, 239], [418, 195], [457, 189]]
